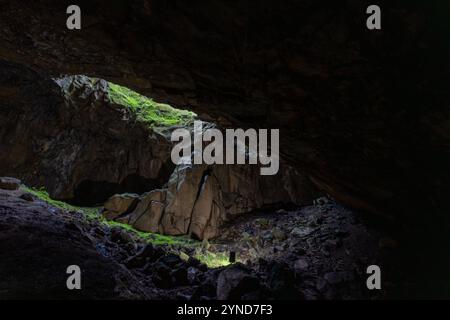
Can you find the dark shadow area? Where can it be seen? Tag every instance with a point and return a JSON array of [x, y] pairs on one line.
[[92, 193]]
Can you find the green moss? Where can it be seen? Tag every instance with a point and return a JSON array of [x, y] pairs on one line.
[[94, 214], [211, 259], [154, 238], [90, 213], [147, 110]]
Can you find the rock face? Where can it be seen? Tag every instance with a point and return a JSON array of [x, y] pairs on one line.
[[70, 138], [237, 283], [46, 242], [200, 198], [118, 205], [371, 130]]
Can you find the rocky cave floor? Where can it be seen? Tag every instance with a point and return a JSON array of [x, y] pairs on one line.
[[315, 252]]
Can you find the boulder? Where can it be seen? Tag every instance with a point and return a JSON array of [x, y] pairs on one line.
[[281, 281], [148, 211], [119, 204], [200, 198], [236, 282], [71, 138]]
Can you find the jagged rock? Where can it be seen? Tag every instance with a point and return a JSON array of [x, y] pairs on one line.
[[180, 276], [171, 260], [118, 235], [50, 243], [71, 138], [162, 277], [27, 197], [146, 254], [119, 204], [281, 281], [148, 212], [279, 234], [236, 282], [8, 183], [200, 198]]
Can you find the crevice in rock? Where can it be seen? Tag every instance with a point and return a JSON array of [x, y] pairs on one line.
[[201, 185]]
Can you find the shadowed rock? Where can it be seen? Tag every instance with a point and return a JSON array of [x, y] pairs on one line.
[[201, 198]]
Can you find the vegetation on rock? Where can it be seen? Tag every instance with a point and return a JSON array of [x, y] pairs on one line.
[[149, 111], [211, 259]]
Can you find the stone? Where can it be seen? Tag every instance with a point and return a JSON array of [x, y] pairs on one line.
[[281, 281], [171, 260], [180, 276], [301, 231], [119, 204], [28, 197], [332, 244], [267, 235], [199, 199], [8, 183], [184, 256], [301, 265], [111, 152], [119, 235], [162, 277], [279, 234], [235, 282], [321, 285]]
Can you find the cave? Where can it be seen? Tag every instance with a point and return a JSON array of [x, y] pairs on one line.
[[86, 117]]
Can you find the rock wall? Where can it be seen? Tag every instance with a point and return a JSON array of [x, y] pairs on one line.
[[71, 139], [199, 199], [362, 112]]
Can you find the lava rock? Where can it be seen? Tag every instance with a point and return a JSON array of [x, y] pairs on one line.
[[146, 254]]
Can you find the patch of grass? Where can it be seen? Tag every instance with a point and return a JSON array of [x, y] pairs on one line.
[[147, 110], [94, 214], [91, 213], [154, 238], [212, 259]]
